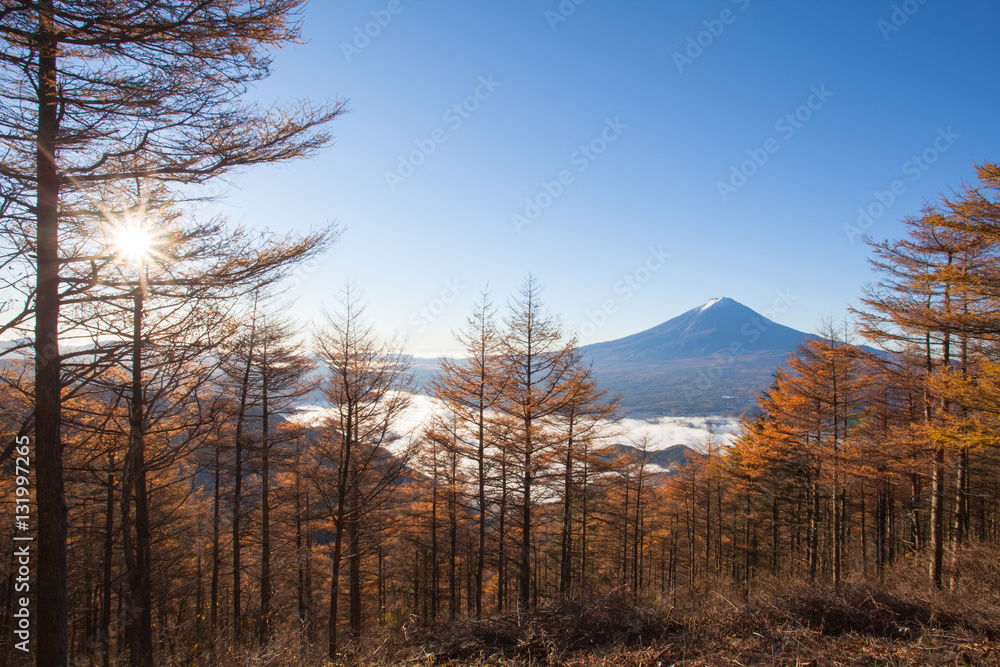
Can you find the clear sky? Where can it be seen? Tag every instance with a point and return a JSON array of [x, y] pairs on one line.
[[638, 157]]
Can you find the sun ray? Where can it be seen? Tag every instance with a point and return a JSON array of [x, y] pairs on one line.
[[134, 244]]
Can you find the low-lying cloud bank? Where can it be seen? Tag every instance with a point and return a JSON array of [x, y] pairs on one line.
[[662, 432], [669, 431]]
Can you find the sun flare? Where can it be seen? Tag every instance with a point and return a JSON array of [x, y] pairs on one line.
[[134, 243]]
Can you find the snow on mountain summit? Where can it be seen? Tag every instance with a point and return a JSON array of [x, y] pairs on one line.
[[708, 304]]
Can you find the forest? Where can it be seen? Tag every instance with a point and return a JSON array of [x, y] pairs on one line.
[[171, 503]]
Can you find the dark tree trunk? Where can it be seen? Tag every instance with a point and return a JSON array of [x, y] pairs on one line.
[[139, 615], [51, 627], [481, 554], [961, 514], [301, 556], [501, 535], [454, 596], [434, 567], [264, 631], [214, 594], [342, 487], [566, 560], [354, 528], [109, 526], [524, 596], [238, 487]]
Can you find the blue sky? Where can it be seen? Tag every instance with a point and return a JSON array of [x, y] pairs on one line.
[[672, 151]]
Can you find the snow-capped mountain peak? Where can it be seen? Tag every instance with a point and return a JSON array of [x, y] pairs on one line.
[[708, 304]]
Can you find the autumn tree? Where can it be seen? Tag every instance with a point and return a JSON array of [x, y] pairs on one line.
[[367, 384], [918, 307], [281, 373], [471, 388], [587, 416], [169, 297], [98, 93], [538, 366], [970, 217]]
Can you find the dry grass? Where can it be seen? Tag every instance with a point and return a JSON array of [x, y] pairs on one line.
[[779, 624], [550, 635]]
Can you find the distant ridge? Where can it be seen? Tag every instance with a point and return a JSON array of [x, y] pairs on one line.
[[710, 360]]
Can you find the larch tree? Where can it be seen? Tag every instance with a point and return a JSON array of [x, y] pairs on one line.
[[587, 415], [538, 366], [169, 299], [470, 388], [367, 383], [282, 374], [96, 92], [826, 378], [971, 217], [913, 309]]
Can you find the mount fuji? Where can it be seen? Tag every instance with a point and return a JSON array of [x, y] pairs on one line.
[[711, 360]]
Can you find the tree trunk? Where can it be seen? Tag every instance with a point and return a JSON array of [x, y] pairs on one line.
[[454, 595], [916, 537], [109, 527], [381, 584], [50, 495], [864, 534], [637, 533], [525, 590], [584, 491], [961, 514], [354, 561], [342, 483], [216, 555], [300, 555], [501, 535], [238, 488], [566, 560], [138, 619], [264, 631], [354, 529], [481, 462], [435, 583], [937, 518], [199, 601], [623, 562], [310, 627], [470, 594], [775, 531], [814, 519]]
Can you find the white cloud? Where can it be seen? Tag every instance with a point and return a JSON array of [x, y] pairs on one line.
[[663, 432], [669, 431]]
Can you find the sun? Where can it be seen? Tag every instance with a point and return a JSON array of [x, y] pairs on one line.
[[134, 243]]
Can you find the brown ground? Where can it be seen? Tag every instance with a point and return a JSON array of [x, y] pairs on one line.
[[800, 625]]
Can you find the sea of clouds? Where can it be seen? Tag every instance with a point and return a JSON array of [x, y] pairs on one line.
[[660, 433]]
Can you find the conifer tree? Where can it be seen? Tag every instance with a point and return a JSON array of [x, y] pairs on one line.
[[470, 389], [96, 92], [367, 384], [538, 366]]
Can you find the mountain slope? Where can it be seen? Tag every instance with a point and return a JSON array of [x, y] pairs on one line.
[[711, 360]]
